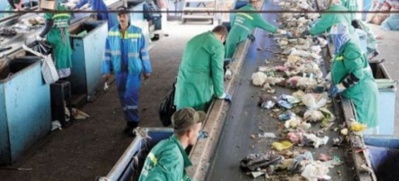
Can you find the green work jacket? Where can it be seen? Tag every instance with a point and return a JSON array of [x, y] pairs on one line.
[[242, 25], [200, 76], [364, 94], [58, 38], [166, 162]]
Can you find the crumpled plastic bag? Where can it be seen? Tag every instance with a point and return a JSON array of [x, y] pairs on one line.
[[301, 82], [315, 101], [292, 123], [274, 80], [298, 94], [254, 161], [316, 49], [316, 140], [303, 4], [313, 115], [286, 115], [295, 137], [265, 102], [283, 145], [315, 170], [304, 54], [258, 78], [328, 117]]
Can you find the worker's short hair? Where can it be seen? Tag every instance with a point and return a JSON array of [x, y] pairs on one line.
[[220, 29], [252, 1], [186, 118]]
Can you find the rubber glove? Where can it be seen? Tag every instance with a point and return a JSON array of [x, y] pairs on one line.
[[335, 90], [227, 97], [39, 38]]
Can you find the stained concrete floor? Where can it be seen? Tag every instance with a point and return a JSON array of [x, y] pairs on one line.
[[90, 148]]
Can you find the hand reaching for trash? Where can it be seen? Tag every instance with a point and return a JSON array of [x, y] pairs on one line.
[[226, 97], [335, 90]]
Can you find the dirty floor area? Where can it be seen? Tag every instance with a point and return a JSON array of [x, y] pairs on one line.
[[89, 148]]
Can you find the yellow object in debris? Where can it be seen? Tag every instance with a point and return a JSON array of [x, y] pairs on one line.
[[356, 126], [281, 145]]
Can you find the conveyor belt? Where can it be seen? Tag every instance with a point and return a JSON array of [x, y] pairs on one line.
[[245, 118]]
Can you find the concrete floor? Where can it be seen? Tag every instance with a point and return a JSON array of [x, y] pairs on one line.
[[90, 148]]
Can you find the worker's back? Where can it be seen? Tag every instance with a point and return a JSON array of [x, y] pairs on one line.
[[329, 19], [200, 73], [197, 55]]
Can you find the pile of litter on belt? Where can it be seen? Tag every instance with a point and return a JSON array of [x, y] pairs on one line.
[[305, 117]]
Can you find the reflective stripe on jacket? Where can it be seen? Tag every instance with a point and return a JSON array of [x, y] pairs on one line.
[[137, 57]]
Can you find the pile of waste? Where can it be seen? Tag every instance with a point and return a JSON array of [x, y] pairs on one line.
[[28, 24], [7, 32], [305, 114]]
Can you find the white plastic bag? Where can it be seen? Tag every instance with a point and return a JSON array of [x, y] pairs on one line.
[[315, 101], [258, 78], [49, 72]]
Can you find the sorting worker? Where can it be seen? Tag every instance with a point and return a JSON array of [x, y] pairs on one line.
[[168, 159], [127, 56], [329, 19], [367, 39], [242, 26], [57, 35], [351, 5], [352, 77], [200, 76], [97, 5]]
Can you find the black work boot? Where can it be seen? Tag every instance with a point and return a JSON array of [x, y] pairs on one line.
[[130, 126]]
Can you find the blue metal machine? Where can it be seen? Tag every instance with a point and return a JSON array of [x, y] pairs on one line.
[[25, 114], [386, 102], [88, 52], [125, 169], [384, 156]]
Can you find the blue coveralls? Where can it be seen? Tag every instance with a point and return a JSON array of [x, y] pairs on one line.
[[127, 56], [99, 5]]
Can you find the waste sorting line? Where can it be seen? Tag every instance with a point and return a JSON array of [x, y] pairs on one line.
[[265, 139]]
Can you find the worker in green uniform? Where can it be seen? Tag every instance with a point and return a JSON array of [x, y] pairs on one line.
[[168, 159], [369, 38], [57, 35], [243, 24], [200, 76], [351, 5], [329, 19], [351, 76]]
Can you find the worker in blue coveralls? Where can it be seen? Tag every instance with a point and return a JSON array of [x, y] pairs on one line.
[[127, 56], [97, 5]]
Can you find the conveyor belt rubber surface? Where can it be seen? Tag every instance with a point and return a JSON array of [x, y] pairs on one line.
[[245, 118]]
